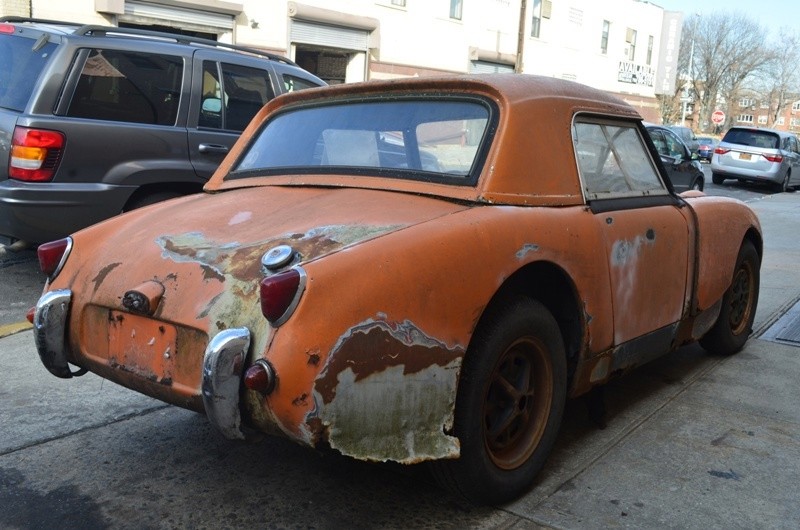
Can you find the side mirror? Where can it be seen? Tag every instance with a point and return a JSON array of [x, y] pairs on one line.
[[212, 105]]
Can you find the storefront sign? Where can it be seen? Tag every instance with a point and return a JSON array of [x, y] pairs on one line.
[[635, 74]]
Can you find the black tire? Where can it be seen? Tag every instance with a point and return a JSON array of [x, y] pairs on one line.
[[509, 403], [784, 186], [697, 184], [735, 321], [717, 179]]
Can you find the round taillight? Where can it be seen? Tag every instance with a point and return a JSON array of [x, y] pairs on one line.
[[53, 255], [260, 377], [280, 294]]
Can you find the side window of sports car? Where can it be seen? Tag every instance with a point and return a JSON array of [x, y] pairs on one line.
[[613, 161]]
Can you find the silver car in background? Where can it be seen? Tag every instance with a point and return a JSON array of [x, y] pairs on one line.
[[757, 155]]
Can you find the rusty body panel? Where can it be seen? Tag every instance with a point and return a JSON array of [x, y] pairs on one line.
[[396, 276]]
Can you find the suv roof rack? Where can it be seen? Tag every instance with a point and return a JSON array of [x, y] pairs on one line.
[[89, 30], [96, 30]]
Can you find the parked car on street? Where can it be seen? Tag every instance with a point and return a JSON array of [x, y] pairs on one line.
[[683, 168], [687, 136], [97, 120], [757, 155], [435, 301], [706, 147]]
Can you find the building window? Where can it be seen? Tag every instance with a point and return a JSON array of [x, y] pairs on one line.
[[780, 121], [794, 122], [796, 106], [649, 50], [604, 37], [456, 6], [746, 102], [762, 120], [630, 39], [536, 22], [745, 118]]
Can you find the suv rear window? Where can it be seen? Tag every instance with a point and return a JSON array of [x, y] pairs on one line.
[[117, 85], [21, 61], [752, 138]]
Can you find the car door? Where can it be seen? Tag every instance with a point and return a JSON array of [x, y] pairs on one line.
[[645, 231], [227, 91]]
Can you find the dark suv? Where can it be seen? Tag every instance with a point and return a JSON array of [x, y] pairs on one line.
[[97, 120]]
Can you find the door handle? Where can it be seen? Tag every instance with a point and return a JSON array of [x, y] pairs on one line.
[[215, 149]]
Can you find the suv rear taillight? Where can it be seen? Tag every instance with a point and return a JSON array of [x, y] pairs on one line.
[[7, 28], [35, 154], [774, 158], [720, 151]]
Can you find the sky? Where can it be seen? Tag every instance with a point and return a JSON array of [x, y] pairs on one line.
[[772, 14]]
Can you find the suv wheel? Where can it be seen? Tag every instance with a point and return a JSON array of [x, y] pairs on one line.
[[717, 179]]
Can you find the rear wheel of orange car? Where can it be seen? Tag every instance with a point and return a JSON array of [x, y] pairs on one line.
[[509, 405], [735, 321]]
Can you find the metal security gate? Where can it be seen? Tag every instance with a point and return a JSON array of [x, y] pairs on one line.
[[486, 67], [328, 36], [144, 13]]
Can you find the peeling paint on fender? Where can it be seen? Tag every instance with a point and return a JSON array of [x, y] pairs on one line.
[[526, 249], [388, 392]]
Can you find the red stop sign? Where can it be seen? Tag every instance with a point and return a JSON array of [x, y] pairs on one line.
[[718, 117]]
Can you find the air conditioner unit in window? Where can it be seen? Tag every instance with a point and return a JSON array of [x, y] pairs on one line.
[[547, 8]]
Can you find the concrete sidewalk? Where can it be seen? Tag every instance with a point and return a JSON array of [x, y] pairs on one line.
[[693, 441]]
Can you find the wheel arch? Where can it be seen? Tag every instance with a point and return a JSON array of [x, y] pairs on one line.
[[551, 285], [175, 189], [754, 236]]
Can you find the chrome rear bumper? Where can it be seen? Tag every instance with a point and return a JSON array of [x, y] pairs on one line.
[[223, 365]]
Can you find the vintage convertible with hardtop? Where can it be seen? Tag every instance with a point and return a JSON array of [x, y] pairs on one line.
[[409, 271]]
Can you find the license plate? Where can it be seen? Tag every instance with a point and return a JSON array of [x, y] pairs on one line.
[[745, 156], [142, 345]]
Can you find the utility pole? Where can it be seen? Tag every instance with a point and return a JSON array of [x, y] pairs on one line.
[[523, 9]]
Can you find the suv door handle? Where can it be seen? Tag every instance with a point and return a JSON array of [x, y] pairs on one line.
[[215, 149]]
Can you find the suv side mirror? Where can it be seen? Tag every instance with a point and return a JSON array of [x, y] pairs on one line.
[[212, 105]]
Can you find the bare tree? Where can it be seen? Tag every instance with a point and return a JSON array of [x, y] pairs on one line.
[[729, 50], [781, 80]]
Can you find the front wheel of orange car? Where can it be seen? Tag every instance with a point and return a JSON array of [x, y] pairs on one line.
[[509, 404], [735, 321]]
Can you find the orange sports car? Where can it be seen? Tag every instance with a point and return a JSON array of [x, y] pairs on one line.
[[410, 270]]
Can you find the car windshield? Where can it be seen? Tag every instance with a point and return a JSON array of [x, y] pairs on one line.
[[421, 139], [21, 61], [752, 138]]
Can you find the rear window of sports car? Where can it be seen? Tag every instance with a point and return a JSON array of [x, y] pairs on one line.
[[435, 140]]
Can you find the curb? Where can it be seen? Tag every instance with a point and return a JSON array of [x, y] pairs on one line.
[[16, 327]]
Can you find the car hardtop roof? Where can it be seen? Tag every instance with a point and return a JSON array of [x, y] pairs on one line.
[[535, 112], [510, 88], [94, 30]]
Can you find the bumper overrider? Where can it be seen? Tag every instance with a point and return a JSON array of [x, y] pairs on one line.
[[223, 362], [49, 332]]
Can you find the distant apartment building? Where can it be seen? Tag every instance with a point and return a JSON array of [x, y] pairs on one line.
[[626, 47], [753, 110]]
